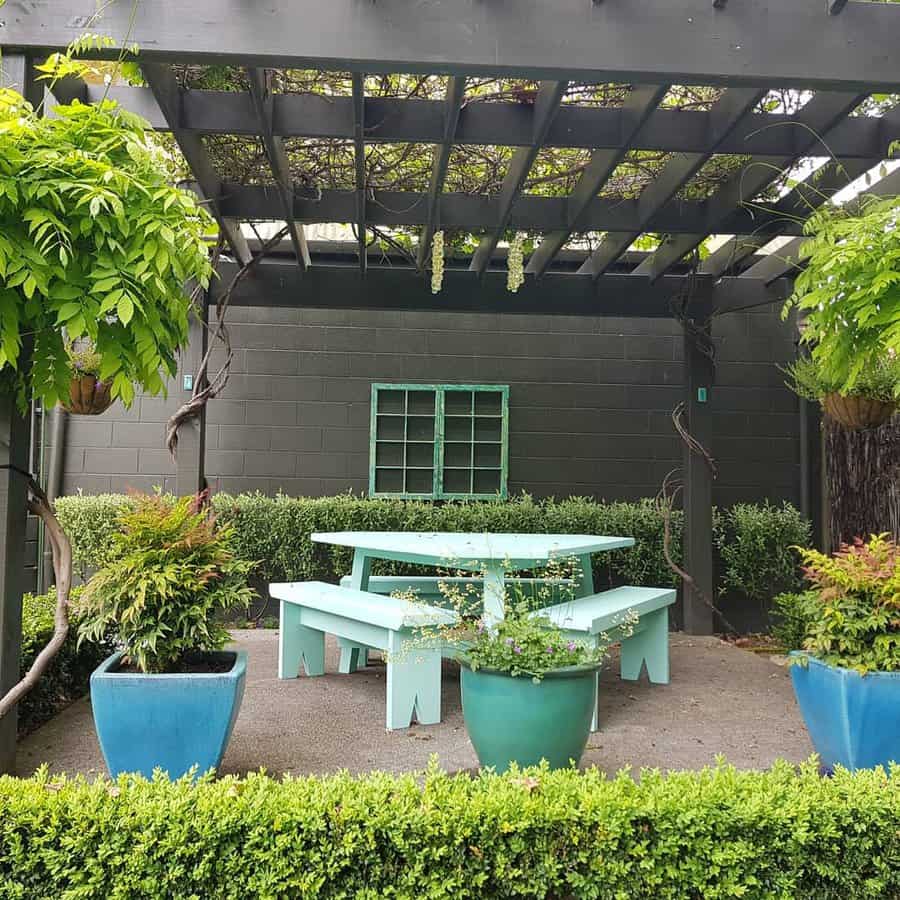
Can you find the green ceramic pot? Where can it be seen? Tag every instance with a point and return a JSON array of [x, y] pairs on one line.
[[518, 720]]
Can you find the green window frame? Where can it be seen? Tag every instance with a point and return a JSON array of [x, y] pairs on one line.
[[439, 441]]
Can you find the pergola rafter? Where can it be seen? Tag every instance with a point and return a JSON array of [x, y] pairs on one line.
[[359, 164], [638, 107], [456, 91], [546, 106], [729, 111], [261, 93], [822, 112], [168, 95]]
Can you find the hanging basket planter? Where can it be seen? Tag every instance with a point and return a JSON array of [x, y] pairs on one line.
[[88, 396], [857, 412]]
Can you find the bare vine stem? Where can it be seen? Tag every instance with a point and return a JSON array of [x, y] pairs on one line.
[[40, 505], [206, 388]]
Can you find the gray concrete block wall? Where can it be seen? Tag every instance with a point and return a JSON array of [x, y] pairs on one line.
[[590, 403]]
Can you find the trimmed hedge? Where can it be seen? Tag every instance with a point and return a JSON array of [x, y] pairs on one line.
[[753, 541], [719, 833], [69, 673]]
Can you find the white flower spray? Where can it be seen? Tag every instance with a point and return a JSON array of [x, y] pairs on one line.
[[515, 277], [437, 262]]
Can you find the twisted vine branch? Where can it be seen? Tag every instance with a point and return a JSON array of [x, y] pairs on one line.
[[206, 388], [40, 505]]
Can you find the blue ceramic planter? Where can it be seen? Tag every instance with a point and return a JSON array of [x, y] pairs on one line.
[[169, 722], [852, 719]]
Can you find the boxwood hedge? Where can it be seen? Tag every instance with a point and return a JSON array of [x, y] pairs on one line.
[[754, 541], [718, 833]]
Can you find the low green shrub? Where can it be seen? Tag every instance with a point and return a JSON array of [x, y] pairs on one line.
[[792, 615], [68, 675], [756, 547], [715, 834]]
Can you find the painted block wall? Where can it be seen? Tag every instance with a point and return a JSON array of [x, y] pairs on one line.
[[590, 403]]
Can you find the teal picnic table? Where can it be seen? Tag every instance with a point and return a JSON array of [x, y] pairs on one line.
[[493, 556]]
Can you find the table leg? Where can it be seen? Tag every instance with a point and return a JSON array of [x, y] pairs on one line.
[[494, 593], [586, 588], [354, 656]]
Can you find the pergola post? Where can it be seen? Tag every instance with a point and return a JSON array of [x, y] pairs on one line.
[[190, 465], [16, 71], [698, 478]]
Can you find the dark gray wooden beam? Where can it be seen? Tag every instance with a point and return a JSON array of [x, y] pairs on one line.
[[821, 114], [787, 258], [638, 106], [729, 112], [835, 7], [475, 212], [16, 72], [757, 42], [168, 95], [335, 286], [262, 96], [699, 402], [456, 89], [502, 123], [546, 106], [359, 163]]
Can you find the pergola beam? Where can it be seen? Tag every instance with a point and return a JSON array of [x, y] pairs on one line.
[[638, 106], [727, 114], [338, 286], [642, 41], [456, 90], [392, 119], [821, 114], [261, 94], [359, 164], [546, 106], [475, 212], [168, 95]]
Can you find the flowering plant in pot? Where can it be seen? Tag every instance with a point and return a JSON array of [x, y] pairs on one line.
[[89, 394], [847, 294], [529, 690], [870, 402], [847, 677], [169, 698]]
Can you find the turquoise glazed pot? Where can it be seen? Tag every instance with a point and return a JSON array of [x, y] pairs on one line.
[[169, 722], [852, 719], [515, 720]]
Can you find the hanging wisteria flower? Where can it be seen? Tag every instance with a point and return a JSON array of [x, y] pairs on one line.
[[437, 262], [515, 277]]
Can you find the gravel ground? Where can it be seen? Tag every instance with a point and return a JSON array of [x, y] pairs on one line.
[[722, 700]]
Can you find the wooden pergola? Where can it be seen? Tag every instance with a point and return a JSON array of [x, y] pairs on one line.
[[842, 52]]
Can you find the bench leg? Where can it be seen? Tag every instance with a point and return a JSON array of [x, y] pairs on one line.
[[651, 646], [353, 656], [297, 643], [413, 686]]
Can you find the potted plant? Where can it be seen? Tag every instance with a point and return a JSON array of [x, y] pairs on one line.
[[89, 395], [847, 677], [169, 697], [528, 692], [847, 295], [869, 403]]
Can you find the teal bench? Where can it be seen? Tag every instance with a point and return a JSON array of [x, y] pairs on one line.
[[604, 614], [363, 620]]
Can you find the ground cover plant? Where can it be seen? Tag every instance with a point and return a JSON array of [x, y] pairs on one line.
[[715, 834]]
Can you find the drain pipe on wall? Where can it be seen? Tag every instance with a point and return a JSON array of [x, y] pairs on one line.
[[58, 421]]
